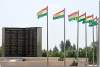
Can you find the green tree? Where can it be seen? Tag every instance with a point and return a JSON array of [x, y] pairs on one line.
[[50, 53], [62, 46], [74, 47], [44, 53], [55, 49], [56, 52], [1, 51], [89, 54], [94, 50], [68, 44], [82, 52], [90, 50], [74, 50]]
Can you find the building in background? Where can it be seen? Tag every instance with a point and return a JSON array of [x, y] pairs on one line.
[[22, 42]]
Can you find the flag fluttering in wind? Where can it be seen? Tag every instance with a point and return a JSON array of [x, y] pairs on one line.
[[88, 19], [59, 15], [82, 17], [93, 22], [73, 16], [43, 12]]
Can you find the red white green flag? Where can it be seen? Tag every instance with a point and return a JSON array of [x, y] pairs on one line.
[[73, 16], [59, 15], [93, 22], [88, 19], [42, 12], [82, 17]]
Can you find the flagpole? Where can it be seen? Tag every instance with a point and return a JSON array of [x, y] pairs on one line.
[[99, 37], [47, 37], [96, 38], [64, 41], [97, 42], [93, 43], [77, 37], [86, 39]]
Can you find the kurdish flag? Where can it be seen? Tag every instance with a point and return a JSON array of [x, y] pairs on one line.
[[59, 15], [43, 12], [93, 22], [73, 16], [88, 19], [82, 17]]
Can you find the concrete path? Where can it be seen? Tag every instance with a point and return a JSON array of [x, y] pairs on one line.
[[29, 64]]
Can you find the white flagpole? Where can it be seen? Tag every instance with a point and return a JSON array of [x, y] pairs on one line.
[[64, 41], [47, 37], [77, 37], [86, 40], [93, 43], [97, 41], [98, 58]]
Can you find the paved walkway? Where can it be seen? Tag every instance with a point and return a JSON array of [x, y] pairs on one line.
[[28, 64]]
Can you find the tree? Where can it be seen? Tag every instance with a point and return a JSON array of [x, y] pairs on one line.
[[94, 50], [89, 54], [70, 53], [44, 53], [74, 47], [1, 51], [55, 49], [73, 51], [62, 46], [50, 53], [68, 44], [90, 50], [56, 52], [82, 52]]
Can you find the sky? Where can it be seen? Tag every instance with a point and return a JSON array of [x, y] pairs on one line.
[[22, 13]]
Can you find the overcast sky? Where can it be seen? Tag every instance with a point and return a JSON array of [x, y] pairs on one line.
[[22, 13]]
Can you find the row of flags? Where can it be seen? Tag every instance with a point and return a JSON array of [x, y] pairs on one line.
[[71, 17], [74, 16]]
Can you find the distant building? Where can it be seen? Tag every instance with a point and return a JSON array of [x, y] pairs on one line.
[[22, 42]]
